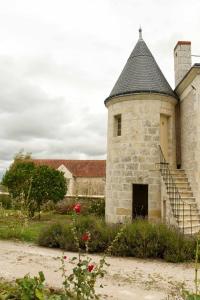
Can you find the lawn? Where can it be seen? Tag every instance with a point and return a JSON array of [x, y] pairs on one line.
[[13, 226]]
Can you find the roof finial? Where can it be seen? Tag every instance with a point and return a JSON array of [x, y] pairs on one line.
[[140, 33]]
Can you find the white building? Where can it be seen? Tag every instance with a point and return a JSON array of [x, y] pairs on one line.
[[84, 177], [153, 149]]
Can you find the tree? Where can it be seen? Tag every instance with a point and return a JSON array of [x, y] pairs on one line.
[[18, 178], [33, 185], [47, 184]]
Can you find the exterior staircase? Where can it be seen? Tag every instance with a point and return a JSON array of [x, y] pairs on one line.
[[187, 216], [182, 200]]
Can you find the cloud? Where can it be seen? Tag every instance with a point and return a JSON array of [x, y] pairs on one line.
[[39, 122], [60, 59]]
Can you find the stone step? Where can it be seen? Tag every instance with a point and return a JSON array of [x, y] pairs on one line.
[[180, 180], [185, 207], [187, 214], [188, 200], [175, 171], [188, 230], [183, 200], [176, 208], [184, 189], [179, 175], [183, 185], [183, 194], [189, 221], [186, 194]]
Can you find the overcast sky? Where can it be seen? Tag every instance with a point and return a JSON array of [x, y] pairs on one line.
[[60, 59]]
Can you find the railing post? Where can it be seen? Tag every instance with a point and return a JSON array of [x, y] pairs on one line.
[[174, 195]]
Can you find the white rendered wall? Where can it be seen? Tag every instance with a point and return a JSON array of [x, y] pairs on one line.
[[70, 180]]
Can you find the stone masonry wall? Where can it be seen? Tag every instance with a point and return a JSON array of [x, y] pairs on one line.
[[190, 135], [182, 60], [132, 157], [88, 186]]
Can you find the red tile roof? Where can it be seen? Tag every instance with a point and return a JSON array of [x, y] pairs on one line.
[[78, 168]]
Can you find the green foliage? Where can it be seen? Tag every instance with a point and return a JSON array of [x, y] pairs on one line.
[[178, 247], [89, 206], [60, 235], [97, 207], [31, 288], [48, 206], [51, 236], [47, 184], [18, 178], [81, 282], [5, 201], [13, 225], [64, 207], [139, 239], [31, 186], [149, 240], [189, 296], [8, 291]]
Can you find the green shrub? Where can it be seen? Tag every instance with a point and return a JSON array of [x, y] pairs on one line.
[[64, 207], [50, 236], [6, 201], [31, 288], [101, 234], [140, 239], [147, 240], [48, 206], [96, 207], [61, 236], [89, 206], [178, 247]]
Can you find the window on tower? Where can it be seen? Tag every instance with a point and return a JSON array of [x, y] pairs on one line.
[[117, 125]]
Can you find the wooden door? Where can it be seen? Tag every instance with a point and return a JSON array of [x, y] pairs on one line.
[[140, 201]]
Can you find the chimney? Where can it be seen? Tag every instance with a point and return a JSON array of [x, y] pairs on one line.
[[182, 60]]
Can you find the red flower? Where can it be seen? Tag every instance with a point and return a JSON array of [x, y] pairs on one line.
[[77, 208], [90, 268], [86, 237], [65, 257]]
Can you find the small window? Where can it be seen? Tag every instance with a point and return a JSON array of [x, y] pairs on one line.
[[117, 125]]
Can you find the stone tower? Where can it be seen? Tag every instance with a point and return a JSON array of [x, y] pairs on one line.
[[141, 117]]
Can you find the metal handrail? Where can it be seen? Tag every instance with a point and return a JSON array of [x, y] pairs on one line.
[[175, 199]]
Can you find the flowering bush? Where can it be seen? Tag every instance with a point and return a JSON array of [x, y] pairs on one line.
[[77, 208], [81, 283]]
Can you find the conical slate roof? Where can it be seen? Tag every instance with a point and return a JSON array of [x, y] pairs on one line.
[[141, 74]]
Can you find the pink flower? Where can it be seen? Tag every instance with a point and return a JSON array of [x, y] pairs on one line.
[[77, 208], [64, 257], [90, 267], [86, 237]]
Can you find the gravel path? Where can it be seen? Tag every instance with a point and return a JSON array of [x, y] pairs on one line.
[[127, 278]]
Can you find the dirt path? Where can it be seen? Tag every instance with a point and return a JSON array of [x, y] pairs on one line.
[[127, 278]]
